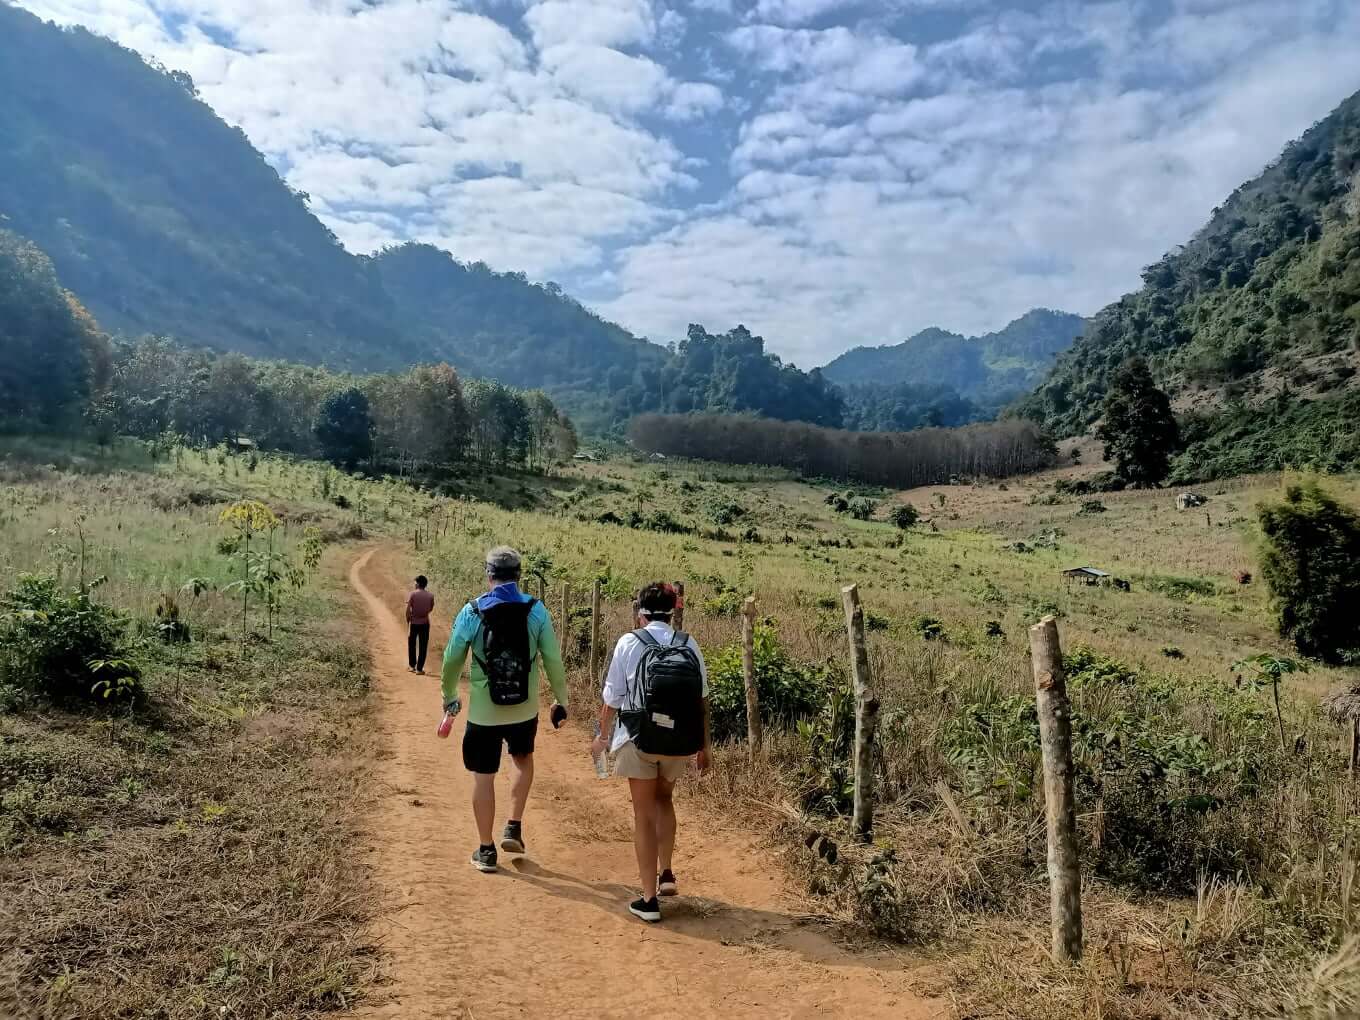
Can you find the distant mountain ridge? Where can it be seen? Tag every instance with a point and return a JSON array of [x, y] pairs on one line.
[[989, 368]]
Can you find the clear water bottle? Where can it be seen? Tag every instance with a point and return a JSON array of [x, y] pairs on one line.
[[601, 760]]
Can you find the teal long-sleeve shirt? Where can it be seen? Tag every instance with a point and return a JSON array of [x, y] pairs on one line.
[[467, 636]]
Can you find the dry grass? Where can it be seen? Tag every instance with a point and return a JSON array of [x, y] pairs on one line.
[[963, 877], [200, 855]]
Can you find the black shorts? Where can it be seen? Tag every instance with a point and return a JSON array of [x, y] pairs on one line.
[[482, 744]]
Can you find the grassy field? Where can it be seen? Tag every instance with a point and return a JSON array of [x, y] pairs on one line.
[[1220, 861], [195, 854]]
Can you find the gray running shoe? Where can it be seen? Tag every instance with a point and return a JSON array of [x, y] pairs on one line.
[[484, 859], [512, 839]]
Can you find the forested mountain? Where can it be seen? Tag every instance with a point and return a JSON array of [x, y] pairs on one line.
[[163, 219], [1253, 325], [1006, 363]]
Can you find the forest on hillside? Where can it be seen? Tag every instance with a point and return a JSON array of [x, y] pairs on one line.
[[60, 373], [1259, 314]]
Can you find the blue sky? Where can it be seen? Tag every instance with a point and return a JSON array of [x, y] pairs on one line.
[[828, 172]]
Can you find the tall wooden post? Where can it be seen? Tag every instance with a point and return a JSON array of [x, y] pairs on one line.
[[1055, 739], [748, 669], [866, 718], [595, 632], [678, 618], [564, 618], [1355, 745]]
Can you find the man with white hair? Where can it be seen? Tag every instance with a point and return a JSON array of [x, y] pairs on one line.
[[506, 632]]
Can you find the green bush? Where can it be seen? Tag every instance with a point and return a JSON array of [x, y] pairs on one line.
[[904, 516], [789, 690], [1179, 588], [1310, 560], [62, 645]]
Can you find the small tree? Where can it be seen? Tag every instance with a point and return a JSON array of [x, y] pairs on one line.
[[905, 516], [344, 428], [246, 518], [1139, 430], [1310, 560], [1268, 670]]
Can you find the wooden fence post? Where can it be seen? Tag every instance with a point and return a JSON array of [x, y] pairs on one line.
[[678, 617], [866, 718], [595, 632], [748, 669], [564, 619], [1055, 738]]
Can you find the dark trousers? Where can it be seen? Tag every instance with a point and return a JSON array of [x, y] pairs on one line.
[[418, 644]]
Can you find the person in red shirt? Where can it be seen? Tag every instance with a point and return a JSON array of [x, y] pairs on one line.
[[419, 605]]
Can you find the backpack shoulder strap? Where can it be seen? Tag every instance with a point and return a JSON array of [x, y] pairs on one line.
[[679, 639], [645, 637]]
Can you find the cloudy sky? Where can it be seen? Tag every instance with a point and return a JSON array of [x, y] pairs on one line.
[[828, 172]]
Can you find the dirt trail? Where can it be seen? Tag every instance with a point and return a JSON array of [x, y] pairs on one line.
[[549, 934]]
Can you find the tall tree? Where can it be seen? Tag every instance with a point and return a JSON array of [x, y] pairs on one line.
[[52, 353], [1139, 430], [344, 428], [1311, 562]]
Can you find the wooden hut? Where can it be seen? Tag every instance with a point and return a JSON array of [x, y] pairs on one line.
[[1344, 706], [1086, 575]]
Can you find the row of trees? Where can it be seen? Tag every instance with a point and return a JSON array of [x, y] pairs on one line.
[[906, 459], [426, 417]]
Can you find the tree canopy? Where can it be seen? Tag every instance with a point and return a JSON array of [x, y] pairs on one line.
[[1138, 428]]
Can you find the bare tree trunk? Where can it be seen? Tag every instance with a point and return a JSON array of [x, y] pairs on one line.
[[678, 619], [595, 633], [1055, 736], [748, 668], [564, 619], [866, 718]]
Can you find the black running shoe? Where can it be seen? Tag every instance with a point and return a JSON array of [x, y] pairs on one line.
[[648, 910], [485, 859], [665, 885], [512, 839]]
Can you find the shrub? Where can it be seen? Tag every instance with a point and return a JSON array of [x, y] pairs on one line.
[[1179, 588], [929, 628], [1310, 560], [723, 510], [904, 516], [789, 690], [61, 644], [1091, 506]]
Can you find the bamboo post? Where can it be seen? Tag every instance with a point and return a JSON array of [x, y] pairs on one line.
[[1055, 738], [564, 619], [748, 669], [678, 617], [866, 717], [595, 632]]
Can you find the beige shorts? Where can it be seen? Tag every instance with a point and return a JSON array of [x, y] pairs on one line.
[[630, 763]]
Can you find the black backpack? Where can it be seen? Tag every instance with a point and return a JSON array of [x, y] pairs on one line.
[[506, 659], [664, 712]]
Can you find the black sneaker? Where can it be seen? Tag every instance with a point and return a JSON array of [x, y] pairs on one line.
[[485, 859], [648, 910], [512, 839], [665, 885]]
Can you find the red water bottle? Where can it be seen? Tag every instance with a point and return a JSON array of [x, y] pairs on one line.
[[445, 725]]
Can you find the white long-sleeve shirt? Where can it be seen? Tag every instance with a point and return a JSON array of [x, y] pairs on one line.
[[627, 655]]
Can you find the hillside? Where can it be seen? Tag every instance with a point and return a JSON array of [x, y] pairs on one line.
[[164, 219], [1003, 363], [1253, 325]]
